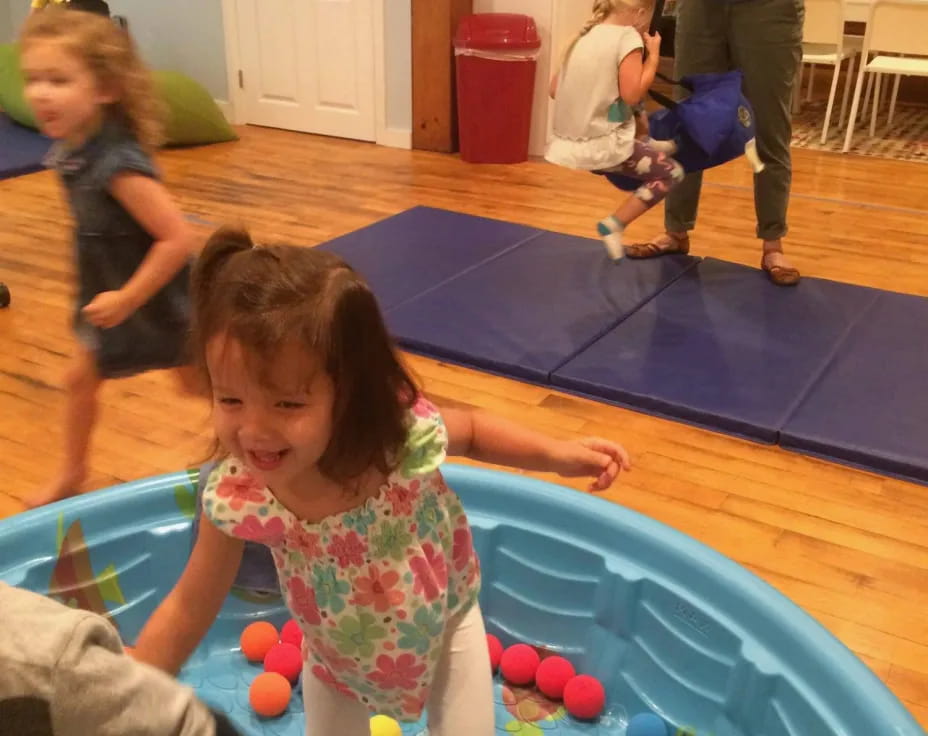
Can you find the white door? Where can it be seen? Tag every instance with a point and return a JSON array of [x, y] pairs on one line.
[[308, 65]]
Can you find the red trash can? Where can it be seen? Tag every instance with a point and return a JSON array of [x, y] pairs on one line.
[[496, 55]]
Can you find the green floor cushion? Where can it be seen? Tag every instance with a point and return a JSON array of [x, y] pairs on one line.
[[192, 115], [12, 101]]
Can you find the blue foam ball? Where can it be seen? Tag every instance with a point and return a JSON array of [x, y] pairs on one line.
[[646, 724]]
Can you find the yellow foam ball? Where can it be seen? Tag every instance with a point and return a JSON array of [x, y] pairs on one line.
[[385, 726]]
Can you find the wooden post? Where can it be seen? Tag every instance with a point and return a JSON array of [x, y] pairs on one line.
[[434, 104]]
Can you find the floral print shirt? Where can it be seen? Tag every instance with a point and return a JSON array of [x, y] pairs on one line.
[[372, 588]]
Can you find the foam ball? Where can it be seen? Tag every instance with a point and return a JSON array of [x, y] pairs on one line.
[[519, 664], [646, 724], [257, 640], [385, 726], [284, 659], [269, 694], [553, 675], [291, 633], [584, 697], [496, 651]]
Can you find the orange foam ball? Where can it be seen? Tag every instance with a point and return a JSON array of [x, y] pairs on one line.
[[257, 640], [269, 694]]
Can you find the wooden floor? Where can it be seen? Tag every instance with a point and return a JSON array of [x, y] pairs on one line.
[[849, 547]]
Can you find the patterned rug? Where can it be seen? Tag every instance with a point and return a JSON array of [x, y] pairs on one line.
[[906, 140]]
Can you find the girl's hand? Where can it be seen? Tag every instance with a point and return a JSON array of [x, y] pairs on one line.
[[591, 456], [653, 46], [108, 309]]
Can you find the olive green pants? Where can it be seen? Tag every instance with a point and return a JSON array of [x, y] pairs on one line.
[[762, 38]]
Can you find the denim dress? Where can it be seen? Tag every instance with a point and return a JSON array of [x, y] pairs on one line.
[[109, 247]]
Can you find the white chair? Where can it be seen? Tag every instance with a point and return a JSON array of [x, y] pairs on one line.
[[895, 27], [824, 42]]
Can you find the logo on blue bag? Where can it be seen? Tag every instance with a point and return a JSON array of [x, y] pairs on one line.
[[744, 116]]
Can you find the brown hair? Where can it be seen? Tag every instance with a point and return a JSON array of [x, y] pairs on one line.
[[266, 297], [112, 58]]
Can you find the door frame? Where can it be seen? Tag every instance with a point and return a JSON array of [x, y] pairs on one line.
[[384, 136]]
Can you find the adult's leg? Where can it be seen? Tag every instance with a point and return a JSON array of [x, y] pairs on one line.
[[766, 43]]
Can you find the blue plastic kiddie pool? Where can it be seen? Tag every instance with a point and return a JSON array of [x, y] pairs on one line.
[[668, 625]]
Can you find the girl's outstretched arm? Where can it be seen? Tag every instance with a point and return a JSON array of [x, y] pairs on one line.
[[150, 204], [181, 621], [483, 436]]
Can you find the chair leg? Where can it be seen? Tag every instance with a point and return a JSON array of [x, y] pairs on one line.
[[892, 102], [847, 89], [831, 100], [811, 82], [855, 104], [875, 107], [868, 94], [797, 90]]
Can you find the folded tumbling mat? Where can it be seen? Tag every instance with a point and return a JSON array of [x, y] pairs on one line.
[[707, 342], [721, 348], [870, 407]]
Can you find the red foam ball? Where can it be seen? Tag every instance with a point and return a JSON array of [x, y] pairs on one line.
[[291, 633], [269, 694], [584, 697], [496, 651], [519, 664], [286, 660], [553, 675]]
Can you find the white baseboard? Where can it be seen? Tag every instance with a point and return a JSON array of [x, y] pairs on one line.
[[227, 109], [395, 138]]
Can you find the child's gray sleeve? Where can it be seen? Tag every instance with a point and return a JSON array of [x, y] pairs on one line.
[[97, 689]]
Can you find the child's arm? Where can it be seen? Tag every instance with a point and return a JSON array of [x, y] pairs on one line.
[[482, 436], [637, 76], [179, 624], [149, 203]]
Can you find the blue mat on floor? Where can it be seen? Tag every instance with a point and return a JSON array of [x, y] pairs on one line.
[[721, 349], [870, 407], [824, 368], [531, 309], [21, 149], [419, 249]]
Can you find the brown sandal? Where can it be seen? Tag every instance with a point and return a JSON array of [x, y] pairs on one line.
[[675, 245], [779, 275]]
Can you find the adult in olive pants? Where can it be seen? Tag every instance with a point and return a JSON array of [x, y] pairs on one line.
[[762, 38]]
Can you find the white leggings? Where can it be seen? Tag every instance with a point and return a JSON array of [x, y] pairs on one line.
[[461, 699]]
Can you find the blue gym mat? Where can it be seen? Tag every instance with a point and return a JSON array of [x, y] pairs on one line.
[[532, 308], [419, 249], [870, 407], [21, 149], [721, 349], [703, 341]]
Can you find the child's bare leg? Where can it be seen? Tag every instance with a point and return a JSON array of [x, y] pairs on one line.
[[82, 383]]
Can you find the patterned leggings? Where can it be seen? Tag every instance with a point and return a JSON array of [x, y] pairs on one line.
[[658, 172]]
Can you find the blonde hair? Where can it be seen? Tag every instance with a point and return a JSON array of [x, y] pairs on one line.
[[111, 56], [602, 9]]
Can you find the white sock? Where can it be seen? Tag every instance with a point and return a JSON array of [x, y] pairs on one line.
[[668, 147], [610, 229]]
